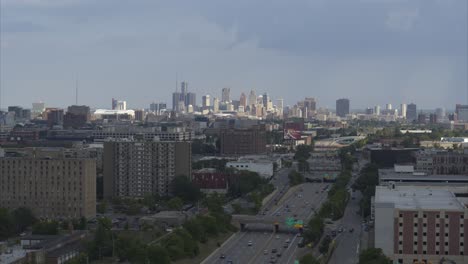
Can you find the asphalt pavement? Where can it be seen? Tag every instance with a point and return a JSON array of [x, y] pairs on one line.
[[256, 244], [348, 244]]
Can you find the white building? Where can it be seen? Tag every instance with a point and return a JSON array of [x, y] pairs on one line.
[[263, 165], [403, 109]]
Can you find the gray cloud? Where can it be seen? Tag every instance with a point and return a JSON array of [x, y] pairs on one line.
[[386, 50]]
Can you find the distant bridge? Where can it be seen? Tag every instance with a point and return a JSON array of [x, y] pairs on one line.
[[277, 223]]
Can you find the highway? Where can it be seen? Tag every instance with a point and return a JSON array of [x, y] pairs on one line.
[[255, 245], [348, 244]]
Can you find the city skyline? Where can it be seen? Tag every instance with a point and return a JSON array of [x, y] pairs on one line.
[[213, 47]]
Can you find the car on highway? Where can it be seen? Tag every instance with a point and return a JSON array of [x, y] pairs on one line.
[[230, 261], [278, 254], [249, 243], [274, 250], [333, 233], [277, 236], [286, 245], [265, 252], [351, 230], [273, 259], [340, 230], [222, 256]]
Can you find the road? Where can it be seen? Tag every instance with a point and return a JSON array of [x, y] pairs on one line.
[[297, 204], [349, 243]]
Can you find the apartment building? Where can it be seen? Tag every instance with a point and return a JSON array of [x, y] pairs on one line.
[[442, 162], [417, 224], [52, 185], [243, 141], [135, 168]]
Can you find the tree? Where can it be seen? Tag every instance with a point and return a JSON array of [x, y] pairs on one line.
[[303, 152], [373, 256], [175, 203], [158, 255], [325, 245], [185, 189], [295, 178], [23, 218], [46, 228], [7, 225], [309, 259]]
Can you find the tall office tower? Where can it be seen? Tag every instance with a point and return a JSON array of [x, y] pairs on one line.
[[369, 111], [175, 101], [342, 107], [54, 116], [243, 141], [377, 110], [226, 95], [154, 107], [280, 107], [77, 116], [206, 101], [50, 183], [412, 113], [139, 115], [190, 99], [184, 88], [215, 105], [252, 98], [135, 168], [403, 109], [388, 107], [18, 110], [462, 112], [243, 100], [265, 100], [114, 104], [37, 109], [310, 103], [440, 112], [121, 105]]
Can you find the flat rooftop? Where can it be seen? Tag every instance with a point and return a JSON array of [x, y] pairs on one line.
[[413, 197], [386, 175]]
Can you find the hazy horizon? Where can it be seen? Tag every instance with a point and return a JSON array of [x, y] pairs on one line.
[[370, 51]]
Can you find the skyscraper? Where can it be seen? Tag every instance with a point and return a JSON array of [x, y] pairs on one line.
[[190, 99], [403, 109], [226, 94], [377, 110], [175, 101], [114, 104], [389, 107], [243, 100], [412, 112], [215, 105], [206, 101], [265, 99], [252, 98], [342, 107]]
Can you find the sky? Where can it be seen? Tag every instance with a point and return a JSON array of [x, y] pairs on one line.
[[370, 51]]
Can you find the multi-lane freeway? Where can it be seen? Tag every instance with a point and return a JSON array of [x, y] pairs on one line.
[[257, 243]]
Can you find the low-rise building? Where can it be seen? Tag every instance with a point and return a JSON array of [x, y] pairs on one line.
[[210, 180], [263, 165]]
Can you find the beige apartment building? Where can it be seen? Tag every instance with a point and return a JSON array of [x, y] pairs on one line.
[[136, 168], [46, 181]]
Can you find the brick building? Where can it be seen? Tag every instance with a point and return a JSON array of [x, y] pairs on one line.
[[243, 141], [50, 184], [420, 224], [136, 168]]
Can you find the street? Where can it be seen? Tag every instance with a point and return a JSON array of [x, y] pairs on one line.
[[348, 244], [256, 244]]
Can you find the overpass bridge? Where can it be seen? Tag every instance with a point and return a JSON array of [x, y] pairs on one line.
[[277, 223]]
